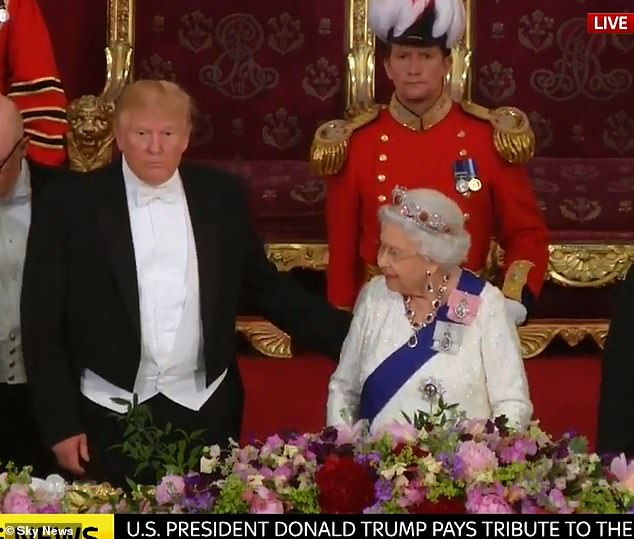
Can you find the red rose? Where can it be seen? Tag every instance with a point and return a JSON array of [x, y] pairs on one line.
[[418, 452], [345, 486], [443, 506]]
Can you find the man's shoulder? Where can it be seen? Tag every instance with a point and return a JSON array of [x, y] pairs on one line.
[[49, 178], [214, 179]]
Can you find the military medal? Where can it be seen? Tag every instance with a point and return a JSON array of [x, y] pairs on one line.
[[466, 177], [461, 177], [474, 182], [462, 186], [4, 15]]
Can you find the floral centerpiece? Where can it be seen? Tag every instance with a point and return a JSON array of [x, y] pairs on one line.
[[440, 463]]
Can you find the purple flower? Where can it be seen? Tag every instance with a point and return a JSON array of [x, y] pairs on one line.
[[487, 501], [272, 445], [200, 502], [50, 508], [369, 459], [383, 490], [170, 489], [329, 435], [518, 451]]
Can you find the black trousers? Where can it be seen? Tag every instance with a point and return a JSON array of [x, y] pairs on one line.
[[20, 440], [220, 418]]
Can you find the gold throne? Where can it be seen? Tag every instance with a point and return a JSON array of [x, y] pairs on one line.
[[577, 265]]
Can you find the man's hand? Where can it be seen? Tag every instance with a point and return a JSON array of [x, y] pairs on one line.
[[69, 452], [516, 311]]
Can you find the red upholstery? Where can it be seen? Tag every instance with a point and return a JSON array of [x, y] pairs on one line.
[[290, 395]]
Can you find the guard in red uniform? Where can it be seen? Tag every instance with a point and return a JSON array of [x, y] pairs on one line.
[[29, 76], [423, 139]]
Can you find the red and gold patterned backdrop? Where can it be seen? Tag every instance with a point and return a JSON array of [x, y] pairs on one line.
[[263, 74], [576, 87]]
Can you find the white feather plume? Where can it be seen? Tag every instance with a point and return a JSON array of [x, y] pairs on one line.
[[385, 15], [399, 15], [450, 20]]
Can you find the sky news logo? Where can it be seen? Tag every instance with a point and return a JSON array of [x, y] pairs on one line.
[[610, 23]]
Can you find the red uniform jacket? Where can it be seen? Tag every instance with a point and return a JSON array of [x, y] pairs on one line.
[[29, 76], [386, 153]]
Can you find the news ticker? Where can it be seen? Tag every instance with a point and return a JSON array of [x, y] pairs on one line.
[[163, 526]]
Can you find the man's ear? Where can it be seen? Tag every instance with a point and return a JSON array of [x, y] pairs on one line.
[[388, 67]]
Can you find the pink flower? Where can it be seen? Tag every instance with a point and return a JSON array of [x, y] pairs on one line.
[[559, 502], [263, 501], [463, 307], [349, 434], [487, 502], [272, 446], [620, 468], [475, 427], [473, 459], [18, 500], [398, 432], [170, 490]]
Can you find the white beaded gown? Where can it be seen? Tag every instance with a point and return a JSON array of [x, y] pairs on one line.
[[470, 355]]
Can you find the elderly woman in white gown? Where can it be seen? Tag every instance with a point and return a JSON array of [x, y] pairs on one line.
[[427, 328]]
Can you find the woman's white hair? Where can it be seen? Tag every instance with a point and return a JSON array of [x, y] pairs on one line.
[[433, 221]]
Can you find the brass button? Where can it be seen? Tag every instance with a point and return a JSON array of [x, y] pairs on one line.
[[382, 158], [382, 198], [384, 138], [12, 336], [466, 217], [381, 177], [12, 351], [11, 378], [12, 364], [462, 153], [461, 134]]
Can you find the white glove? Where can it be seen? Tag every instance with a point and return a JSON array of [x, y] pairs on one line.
[[515, 311]]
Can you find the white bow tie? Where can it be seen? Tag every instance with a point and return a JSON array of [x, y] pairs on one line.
[[146, 194]]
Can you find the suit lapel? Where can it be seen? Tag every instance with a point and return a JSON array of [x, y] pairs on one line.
[[204, 213], [114, 224]]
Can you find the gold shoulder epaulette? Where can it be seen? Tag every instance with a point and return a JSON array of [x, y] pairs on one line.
[[513, 136], [330, 145]]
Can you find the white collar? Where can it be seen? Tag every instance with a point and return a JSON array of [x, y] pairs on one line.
[[133, 182]]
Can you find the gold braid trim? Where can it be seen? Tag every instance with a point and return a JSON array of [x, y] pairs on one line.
[[329, 149], [513, 136], [515, 279]]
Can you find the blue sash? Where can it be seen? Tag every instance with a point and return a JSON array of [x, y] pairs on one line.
[[385, 381]]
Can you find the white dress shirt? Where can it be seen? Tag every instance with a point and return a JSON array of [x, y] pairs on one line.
[[484, 373], [172, 361], [15, 218]]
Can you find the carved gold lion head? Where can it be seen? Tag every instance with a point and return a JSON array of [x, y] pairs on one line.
[[90, 121]]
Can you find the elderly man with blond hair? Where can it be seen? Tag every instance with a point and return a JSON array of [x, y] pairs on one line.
[[133, 280], [19, 179]]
